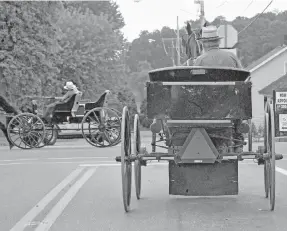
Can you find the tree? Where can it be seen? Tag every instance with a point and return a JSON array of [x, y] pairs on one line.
[[259, 38], [137, 82], [108, 8], [29, 47], [90, 52], [152, 47]]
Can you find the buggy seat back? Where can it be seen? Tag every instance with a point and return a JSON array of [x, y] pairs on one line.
[[71, 106], [101, 102], [78, 98]]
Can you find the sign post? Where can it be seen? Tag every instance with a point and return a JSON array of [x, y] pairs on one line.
[[280, 112]]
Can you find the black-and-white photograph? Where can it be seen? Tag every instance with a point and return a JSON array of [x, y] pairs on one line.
[[143, 115]]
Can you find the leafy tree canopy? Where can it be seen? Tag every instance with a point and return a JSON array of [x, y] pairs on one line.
[[90, 51], [29, 46]]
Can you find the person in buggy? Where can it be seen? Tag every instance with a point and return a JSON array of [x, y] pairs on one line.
[[212, 55], [71, 90]]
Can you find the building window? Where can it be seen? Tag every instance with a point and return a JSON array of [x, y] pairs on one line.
[[285, 68]]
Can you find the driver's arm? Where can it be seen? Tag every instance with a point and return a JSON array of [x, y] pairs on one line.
[[66, 96], [59, 98]]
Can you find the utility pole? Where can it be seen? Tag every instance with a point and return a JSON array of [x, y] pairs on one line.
[[172, 53], [202, 13], [178, 43]]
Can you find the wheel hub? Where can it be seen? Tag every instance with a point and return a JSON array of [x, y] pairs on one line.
[[102, 127], [27, 129]]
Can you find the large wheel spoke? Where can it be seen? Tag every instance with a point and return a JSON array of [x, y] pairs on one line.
[[96, 117], [108, 137]]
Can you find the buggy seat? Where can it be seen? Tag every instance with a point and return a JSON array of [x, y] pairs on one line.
[[101, 102], [70, 107]]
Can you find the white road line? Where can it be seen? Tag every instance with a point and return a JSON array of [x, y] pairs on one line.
[[72, 147], [281, 170], [54, 162], [17, 160], [57, 210], [75, 158], [98, 165], [69, 162], [87, 146], [116, 164], [12, 164], [26, 159], [28, 218], [60, 158]]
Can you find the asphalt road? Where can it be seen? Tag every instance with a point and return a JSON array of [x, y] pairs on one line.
[[75, 187]]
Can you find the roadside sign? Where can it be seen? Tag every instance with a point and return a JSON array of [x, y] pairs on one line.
[[229, 34], [280, 109], [281, 97], [283, 122]]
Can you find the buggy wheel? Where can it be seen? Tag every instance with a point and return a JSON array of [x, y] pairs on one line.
[[136, 151], [26, 131], [116, 129], [126, 165], [266, 162], [270, 146], [101, 127], [266, 178], [51, 136]]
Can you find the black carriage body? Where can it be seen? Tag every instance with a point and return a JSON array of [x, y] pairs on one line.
[[64, 110], [186, 93], [200, 93]]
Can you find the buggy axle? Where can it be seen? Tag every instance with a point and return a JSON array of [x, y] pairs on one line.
[[151, 156], [165, 156]]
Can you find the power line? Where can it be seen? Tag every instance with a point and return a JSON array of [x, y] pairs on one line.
[[187, 12], [247, 6], [222, 4], [256, 17]]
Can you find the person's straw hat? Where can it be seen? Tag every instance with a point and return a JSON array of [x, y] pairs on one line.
[[209, 33], [69, 86]]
